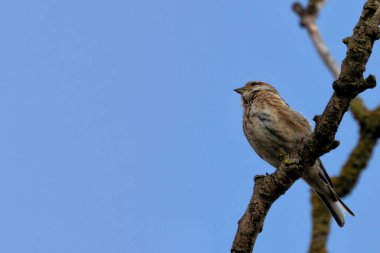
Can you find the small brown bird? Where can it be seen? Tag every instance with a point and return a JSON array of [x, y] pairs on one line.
[[273, 128]]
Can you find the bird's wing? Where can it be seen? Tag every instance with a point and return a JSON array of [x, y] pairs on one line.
[[295, 125]]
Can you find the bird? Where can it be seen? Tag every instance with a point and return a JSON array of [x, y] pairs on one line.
[[273, 128]]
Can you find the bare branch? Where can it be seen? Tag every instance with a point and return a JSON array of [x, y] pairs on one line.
[[347, 179], [308, 17], [361, 154], [350, 83]]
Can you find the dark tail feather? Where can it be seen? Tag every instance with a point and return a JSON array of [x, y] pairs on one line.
[[325, 174], [334, 209], [342, 203]]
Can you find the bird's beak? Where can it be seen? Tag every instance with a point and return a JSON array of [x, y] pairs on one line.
[[240, 90]]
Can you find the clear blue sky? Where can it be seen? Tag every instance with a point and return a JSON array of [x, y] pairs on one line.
[[120, 131]]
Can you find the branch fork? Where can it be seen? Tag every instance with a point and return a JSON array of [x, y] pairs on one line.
[[350, 83]]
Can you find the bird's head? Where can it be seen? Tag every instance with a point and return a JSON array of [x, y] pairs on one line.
[[252, 88]]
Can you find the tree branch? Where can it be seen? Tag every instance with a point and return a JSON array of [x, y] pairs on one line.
[[350, 83], [349, 175], [308, 17], [359, 157]]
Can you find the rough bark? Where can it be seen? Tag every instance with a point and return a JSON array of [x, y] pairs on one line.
[[349, 84], [349, 175], [361, 154]]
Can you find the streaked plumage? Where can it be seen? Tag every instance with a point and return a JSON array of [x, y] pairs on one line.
[[273, 128]]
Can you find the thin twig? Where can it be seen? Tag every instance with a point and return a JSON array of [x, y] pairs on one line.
[[369, 124], [351, 82], [308, 18]]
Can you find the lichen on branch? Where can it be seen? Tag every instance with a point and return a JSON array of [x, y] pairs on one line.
[[368, 121], [350, 83]]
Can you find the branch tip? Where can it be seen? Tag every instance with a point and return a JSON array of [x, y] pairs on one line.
[[297, 8], [317, 118], [346, 40], [353, 89], [370, 82], [334, 144]]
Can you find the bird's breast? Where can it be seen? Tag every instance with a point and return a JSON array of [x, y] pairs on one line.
[[262, 136]]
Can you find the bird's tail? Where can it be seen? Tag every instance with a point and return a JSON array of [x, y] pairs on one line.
[[335, 205]]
